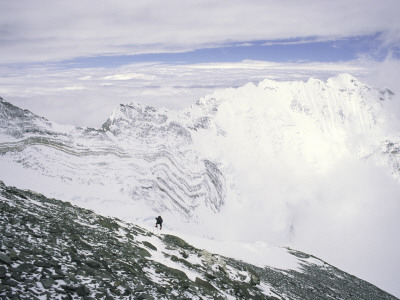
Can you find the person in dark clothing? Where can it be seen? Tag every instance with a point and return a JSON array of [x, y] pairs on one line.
[[159, 221]]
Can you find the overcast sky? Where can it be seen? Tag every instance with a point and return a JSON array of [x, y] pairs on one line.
[[54, 31], [74, 61]]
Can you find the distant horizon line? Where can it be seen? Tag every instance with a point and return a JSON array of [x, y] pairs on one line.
[[292, 50]]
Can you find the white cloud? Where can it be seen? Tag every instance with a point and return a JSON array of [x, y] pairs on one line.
[[56, 30], [385, 74], [129, 76], [86, 97]]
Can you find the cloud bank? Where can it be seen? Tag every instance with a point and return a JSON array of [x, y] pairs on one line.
[[43, 30], [86, 97]]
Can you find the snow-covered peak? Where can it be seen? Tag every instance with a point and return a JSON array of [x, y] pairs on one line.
[[134, 112], [259, 162], [17, 122], [314, 122], [147, 125]]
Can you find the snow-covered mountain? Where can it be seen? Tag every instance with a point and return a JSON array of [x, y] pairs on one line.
[[140, 156], [310, 164]]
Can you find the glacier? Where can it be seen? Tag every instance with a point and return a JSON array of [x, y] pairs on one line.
[[314, 165]]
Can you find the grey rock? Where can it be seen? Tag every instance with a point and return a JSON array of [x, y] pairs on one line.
[[150, 246], [143, 252], [145, 296], [204, 284], [47, 282], [82, 290], [42, 264], [5, 259], [11, 282], [16, 275], [69, 288], [93, 264], [177, 242], [3, 271]]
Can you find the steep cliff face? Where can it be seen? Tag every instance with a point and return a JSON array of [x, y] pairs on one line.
[[16, 123], [171, 169], [315, 121], [140, 154]]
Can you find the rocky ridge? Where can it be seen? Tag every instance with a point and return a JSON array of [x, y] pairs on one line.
[[54, 250], [144, 155]]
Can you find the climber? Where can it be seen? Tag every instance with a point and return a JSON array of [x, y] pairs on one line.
[[159, 220]]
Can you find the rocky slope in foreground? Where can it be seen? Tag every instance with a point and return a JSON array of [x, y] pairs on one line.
[[53, 250]]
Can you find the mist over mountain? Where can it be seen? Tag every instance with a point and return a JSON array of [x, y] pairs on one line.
[[314, 165]]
